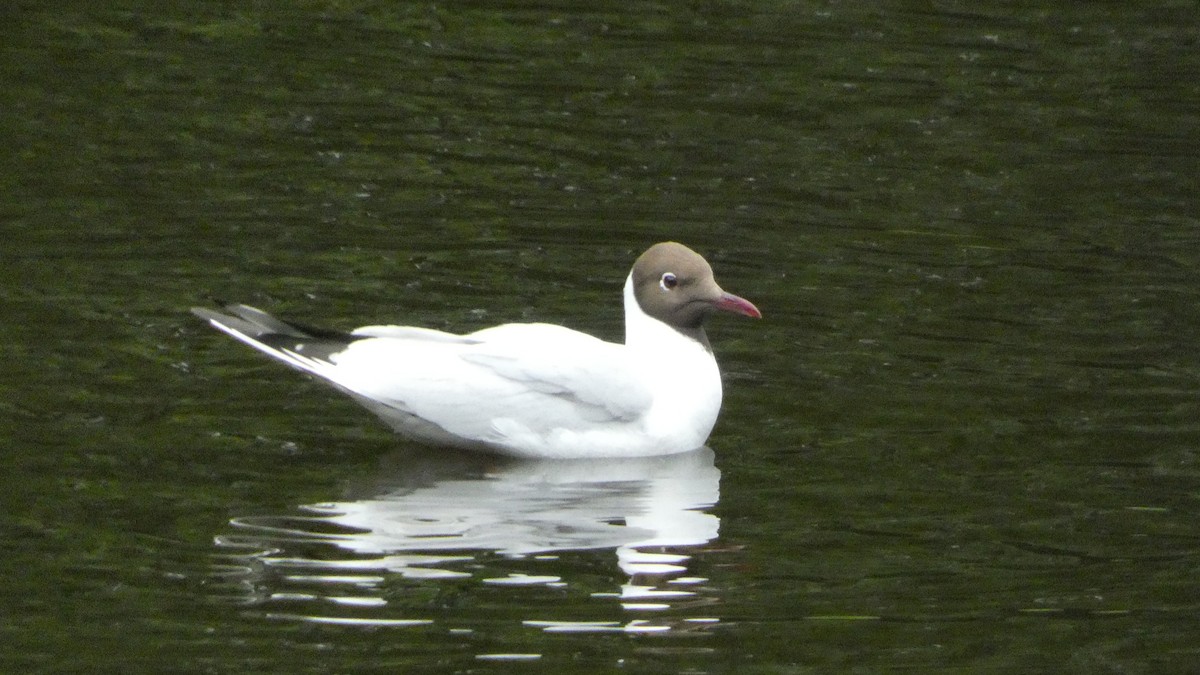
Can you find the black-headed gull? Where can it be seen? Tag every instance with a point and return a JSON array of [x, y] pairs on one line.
[[531, 389]]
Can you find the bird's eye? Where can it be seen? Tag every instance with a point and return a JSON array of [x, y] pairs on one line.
[[668, 281]]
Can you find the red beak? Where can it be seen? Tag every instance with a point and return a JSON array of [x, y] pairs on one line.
[[732, 303]]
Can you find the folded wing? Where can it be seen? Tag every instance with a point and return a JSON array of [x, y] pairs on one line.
[[526, 381]]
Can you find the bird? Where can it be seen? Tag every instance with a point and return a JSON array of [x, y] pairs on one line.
[[533, 390]]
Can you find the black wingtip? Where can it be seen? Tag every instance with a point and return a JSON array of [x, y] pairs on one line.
[[259, 324]]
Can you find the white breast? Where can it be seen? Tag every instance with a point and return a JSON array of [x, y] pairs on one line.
[[681, 374]]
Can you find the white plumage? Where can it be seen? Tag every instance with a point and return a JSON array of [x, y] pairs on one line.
[[532, 390]]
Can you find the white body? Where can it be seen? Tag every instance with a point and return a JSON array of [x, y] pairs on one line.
[[531, 390]]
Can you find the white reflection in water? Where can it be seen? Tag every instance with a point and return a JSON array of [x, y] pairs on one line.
[[433, 520]]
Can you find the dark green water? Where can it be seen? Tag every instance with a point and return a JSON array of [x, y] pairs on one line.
[[964, 438]]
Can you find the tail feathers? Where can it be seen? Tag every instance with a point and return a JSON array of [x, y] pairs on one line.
[[299, 346]]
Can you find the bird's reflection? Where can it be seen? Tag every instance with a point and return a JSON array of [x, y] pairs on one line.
[[430, 517]]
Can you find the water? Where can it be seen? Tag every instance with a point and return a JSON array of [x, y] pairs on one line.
[[963, 438]]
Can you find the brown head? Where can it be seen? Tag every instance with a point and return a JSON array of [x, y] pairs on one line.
[[675, 285]]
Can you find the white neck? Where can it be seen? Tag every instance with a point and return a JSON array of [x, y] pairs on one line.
[[641, 329], [680, 370]]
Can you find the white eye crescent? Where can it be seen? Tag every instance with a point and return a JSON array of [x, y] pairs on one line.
[[668, 281]]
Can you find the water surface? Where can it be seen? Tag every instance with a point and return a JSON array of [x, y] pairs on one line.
[[963, 438]]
